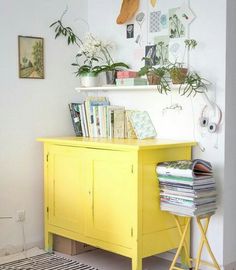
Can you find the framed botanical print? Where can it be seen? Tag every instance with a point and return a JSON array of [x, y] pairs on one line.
[[31, 57]]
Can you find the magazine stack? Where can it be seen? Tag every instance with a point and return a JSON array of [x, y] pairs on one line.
[[187, 187]]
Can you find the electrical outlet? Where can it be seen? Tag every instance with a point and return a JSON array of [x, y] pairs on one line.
[[20, 215]]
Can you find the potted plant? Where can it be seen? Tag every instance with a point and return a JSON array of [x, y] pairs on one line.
[[178, 71], [194, 83], [150, 71], [155, 75], [92, 50]]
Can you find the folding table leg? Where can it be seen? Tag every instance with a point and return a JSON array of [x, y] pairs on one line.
[[185, 244], [182, 243], [204, 240]]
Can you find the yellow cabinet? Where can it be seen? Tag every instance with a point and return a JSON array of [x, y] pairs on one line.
[[110, 208], [66, 184], [105, 193]]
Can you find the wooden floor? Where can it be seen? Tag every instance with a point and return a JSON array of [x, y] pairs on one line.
[[97, 258], [110, 261]]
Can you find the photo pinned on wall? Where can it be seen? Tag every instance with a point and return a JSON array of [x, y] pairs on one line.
[[130, 31], [176, 28], [162, 49], [150, 53], [185, 14], [177, 50], [31, 57], [164, 21], [140, 17], [155, 22]]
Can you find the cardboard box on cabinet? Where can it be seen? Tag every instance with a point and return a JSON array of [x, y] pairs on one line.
[[68, 246]]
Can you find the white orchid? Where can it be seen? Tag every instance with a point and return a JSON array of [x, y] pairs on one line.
[[91, 49]]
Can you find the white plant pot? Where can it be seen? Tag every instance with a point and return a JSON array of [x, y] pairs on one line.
[[89, 80]]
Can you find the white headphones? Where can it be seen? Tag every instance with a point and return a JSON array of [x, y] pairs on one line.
[[207, 114]]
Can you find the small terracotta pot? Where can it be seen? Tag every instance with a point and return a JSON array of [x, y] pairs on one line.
[[153, 79], [178, 75]]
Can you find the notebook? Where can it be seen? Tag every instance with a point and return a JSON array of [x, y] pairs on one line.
[[142, 125]]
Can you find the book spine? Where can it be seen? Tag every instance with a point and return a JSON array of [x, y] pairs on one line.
[[85, 120], [94, 121], [100, 120], [111, 123], [82, 120], [88, 116], [76, 121], [119, 123], [104, 112]]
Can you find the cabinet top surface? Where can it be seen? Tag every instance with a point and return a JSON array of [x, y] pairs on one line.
[[132, 144]]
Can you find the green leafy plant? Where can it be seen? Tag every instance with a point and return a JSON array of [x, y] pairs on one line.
[[92, 51], [178, 70], [61, 30], [155, 75], [177, 73], [194, 83], [190, 44]]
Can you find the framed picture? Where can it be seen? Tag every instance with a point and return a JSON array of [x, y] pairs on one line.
[[31, 58]]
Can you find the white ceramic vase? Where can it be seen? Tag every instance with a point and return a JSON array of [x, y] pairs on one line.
[[89, 80]]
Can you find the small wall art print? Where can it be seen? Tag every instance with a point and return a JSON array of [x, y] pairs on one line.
[[154, 22], [176, 27], [150, 55], [31, 57], [130, 31]]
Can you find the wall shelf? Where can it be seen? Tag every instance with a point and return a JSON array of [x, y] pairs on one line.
[[123, 88]]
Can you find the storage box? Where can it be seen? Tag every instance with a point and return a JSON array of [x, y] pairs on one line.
[[68, 246], [131, 81], [127, 74]]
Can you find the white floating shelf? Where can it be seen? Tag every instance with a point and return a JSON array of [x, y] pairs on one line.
[[123, 88]]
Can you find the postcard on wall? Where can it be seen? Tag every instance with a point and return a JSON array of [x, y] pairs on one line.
[[31, 58], [162, 49], [177, 50], [164, 21], [176, 28], [154, 21], [150, 53], [130, 31], [185, 14], [140, 20]]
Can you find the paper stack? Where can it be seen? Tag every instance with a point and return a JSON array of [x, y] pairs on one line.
[[187, 187]]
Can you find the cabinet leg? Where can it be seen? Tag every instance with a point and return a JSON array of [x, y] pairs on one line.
[[137, 263], [48, 241]]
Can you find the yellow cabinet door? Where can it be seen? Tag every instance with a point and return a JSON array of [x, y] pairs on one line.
[[66, 198], [111, 189]]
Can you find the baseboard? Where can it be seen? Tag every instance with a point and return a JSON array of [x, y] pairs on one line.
[[13, 249], [231, 266]]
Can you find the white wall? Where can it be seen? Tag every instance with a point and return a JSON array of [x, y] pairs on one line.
[[230, 135], [34, 108], [31, 108], [209, 29]]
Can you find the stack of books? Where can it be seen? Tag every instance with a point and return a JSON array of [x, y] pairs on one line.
[[129, 78], [187, 187], [98, 119]]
